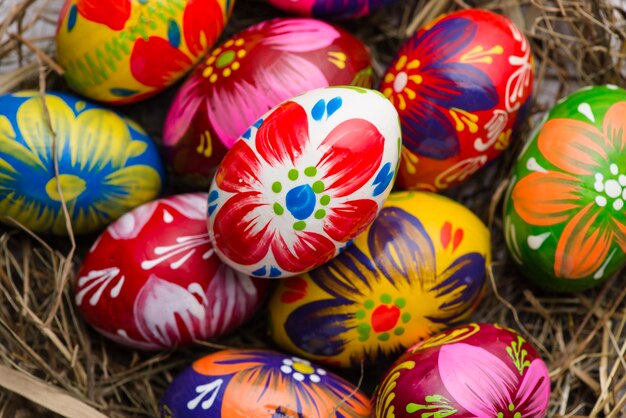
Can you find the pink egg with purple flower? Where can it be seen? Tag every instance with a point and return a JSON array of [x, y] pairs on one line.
[[245, 77], [474, 370], [304, 180], [341, 9]]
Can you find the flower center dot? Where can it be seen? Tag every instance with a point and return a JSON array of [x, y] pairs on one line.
[[303, 368], [225, 59], [301, 201], [612, 188], [400, 82]]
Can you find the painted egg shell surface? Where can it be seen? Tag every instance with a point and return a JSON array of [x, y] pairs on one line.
[[475, 370], [419, 268], [122, 51], [304, 180], [152, 280], [269, 62], [107, 164], [460, 86], [330, 8], [564, 218], [260, 383]]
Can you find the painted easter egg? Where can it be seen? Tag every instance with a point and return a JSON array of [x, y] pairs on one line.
[[260, 383], [106, 163], [564, 217], [122, 51], [152, 280], [304, 180], [340, 9], [461, 84], [417, 269], [475, 370], [269, 62]]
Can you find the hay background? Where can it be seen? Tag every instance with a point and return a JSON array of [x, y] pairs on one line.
[[48, 354]]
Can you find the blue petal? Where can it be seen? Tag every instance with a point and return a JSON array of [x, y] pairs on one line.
[[173, 33], [441, 42], [402, 249], [462, 86], [333, 105], [121, 92], [212, 209], [259, 272], [275, 272], [318, 110], [383, 178], [71, 18], [427, 131], [461, 290], [258, 123], [324, 326], [213, 195], [247, 134]]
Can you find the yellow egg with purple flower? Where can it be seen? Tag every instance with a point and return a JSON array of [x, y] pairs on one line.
[[419, 268]]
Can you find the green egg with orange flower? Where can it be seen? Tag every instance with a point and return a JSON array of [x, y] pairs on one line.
[[565, 215], [419, 268]]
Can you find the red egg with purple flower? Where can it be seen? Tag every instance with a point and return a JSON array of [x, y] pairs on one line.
[[331, 8], [245, 77], [152, 279], [474, 370], [461, 85]]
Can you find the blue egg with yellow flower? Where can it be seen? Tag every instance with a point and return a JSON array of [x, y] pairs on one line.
[[96, 161]]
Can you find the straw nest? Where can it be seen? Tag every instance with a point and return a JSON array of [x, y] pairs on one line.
[[51, 363]]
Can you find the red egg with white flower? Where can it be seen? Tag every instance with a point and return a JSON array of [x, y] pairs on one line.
[[474, 370], [245, 77], [152, 279], [461, 85]]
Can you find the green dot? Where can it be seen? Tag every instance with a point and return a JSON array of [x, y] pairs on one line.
[[398, 331], [511, 407], [359, 314], [500, 415], [384, 336], [369, 304], [325, 200], [400, 303], [363, 328], [385, 298], [406, 317], [277, 187], [225, 59], [320, 213], [310, 171], [318, 187], [299, 226], [278, 209], [293, 174], [517, 415], [363, 337]]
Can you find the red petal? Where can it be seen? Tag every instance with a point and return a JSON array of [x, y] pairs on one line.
[[350, 219], [203, 22], [241, 234], [310, 250], [156, 62], [354, 150], [573, 146], [238, 170], [283, 135], [113, 13], [583, 246]]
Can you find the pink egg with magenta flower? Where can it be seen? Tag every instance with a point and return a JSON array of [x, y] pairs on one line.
[[245, 77]]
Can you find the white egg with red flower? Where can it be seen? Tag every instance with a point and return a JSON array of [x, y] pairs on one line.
[[304, 180], [152, 279]]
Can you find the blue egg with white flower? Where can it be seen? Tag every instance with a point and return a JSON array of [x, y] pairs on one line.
[[60, 153]]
